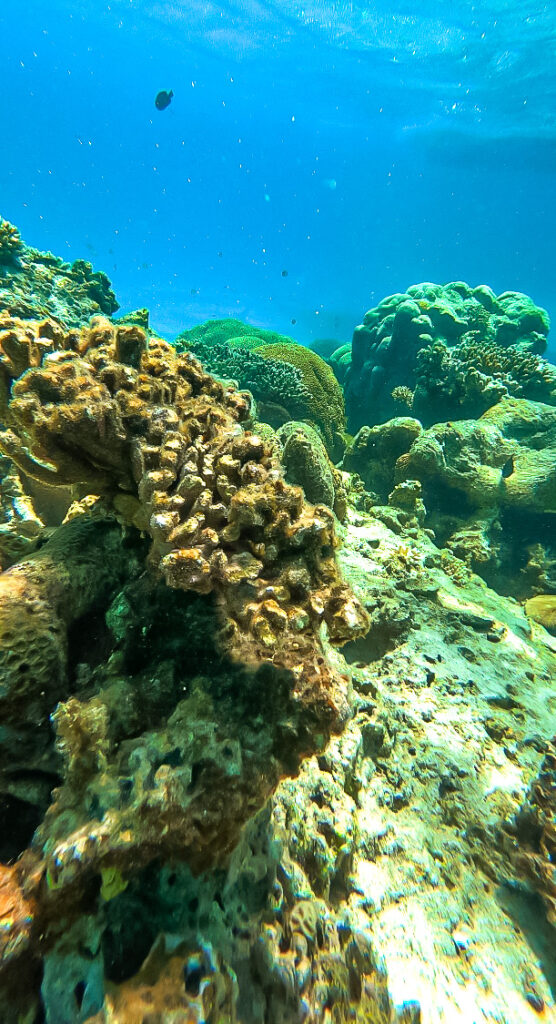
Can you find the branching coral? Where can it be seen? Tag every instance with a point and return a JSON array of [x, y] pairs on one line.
[[467, 379]]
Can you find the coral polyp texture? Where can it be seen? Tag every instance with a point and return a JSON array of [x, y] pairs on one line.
[[108, 413], [457, 349], [35, 284], [166, 447]]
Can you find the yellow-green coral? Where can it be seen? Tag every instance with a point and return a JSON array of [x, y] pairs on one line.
[[327, 406]]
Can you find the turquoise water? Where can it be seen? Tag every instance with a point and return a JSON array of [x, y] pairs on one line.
[[358, 148]]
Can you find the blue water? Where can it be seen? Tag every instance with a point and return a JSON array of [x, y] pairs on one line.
[[359, 149]]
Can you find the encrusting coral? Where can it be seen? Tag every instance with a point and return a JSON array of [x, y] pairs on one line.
[[533, 833], [104, 412], [37, 284]]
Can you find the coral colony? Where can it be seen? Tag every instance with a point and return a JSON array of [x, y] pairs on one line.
[[277, 656]]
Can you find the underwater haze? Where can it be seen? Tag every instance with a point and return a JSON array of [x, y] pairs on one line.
[[314, 156]]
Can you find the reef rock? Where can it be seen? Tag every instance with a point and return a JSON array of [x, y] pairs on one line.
[[395, 879], [36, 284]]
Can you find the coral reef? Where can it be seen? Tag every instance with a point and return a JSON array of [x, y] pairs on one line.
[[380, 884], [277, 386], [37, 284], [228, 331], [386, 353], [103, 411], [326, 403], [307, 463], [210, 812]]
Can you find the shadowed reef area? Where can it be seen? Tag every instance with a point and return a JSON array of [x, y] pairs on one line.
[[277, 663]]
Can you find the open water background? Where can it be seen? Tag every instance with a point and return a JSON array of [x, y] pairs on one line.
[[315, 157]]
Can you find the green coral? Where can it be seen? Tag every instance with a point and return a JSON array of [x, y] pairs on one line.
[[387, 346], [277, 386], [229, 331], [326, 406], [10, 242]]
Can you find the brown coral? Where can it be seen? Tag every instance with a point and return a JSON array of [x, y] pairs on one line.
[[162, 440], [105, 412], [533, 849]]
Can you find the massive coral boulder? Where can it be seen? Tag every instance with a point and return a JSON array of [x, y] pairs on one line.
[[374, 451], [483, 348], [170, 762], [489, 486], [308, 464]]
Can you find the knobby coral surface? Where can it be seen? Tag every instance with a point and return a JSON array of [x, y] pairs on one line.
[[102, 411], [459, 348], [533, 833]]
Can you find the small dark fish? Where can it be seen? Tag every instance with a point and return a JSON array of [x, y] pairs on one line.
[[284, 273], [163, 99], [294, 321], [218, 253]]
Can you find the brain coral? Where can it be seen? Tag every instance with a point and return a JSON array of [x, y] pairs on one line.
[[236, 332], [326, 406]]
